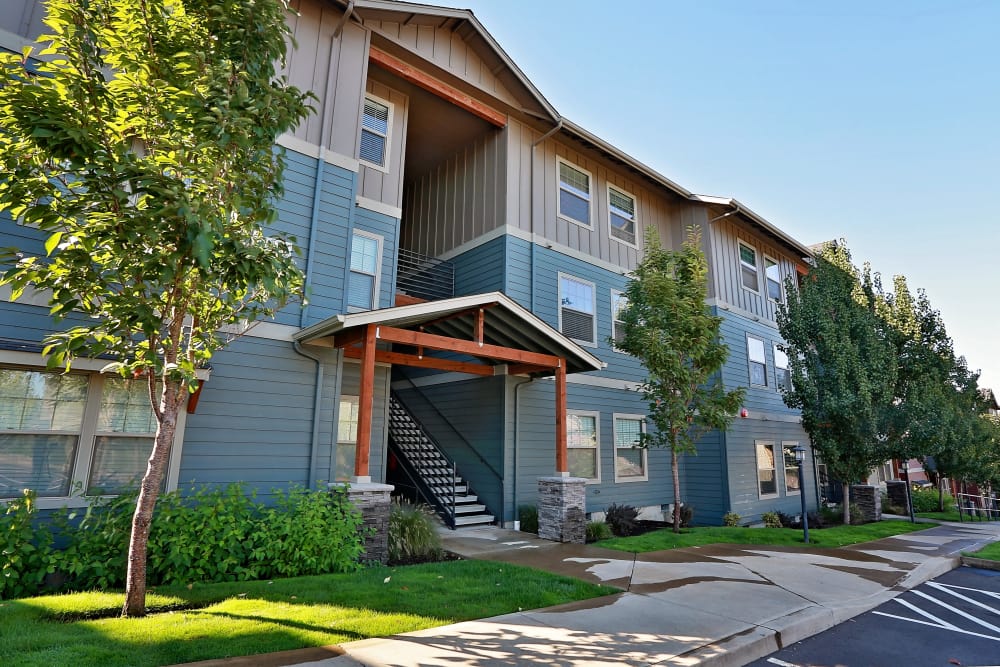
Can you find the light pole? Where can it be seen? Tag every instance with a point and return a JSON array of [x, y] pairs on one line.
[[800, 457]]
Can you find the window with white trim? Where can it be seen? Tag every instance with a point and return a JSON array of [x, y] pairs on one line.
[[630, 458], [347, 438], [577, 308], [375, 123], [791, 468], [757, 360], [621, 215], [619, 302], [574, 193], [772, 275], [782, 376], [748, 267], [582, 450], [767, 483], [366, 255], [60, 432]]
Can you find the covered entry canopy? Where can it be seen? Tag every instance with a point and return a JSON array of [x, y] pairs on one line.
[[494, 335]]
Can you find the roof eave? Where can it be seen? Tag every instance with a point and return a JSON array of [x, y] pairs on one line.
[[770, 228]]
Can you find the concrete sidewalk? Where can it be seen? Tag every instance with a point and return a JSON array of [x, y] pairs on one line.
[[718, 605]]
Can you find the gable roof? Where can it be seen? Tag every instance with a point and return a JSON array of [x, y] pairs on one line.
[[758, 221], [507, 324]]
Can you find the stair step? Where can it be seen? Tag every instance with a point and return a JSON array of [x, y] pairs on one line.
[[474, 520], [474, 508]]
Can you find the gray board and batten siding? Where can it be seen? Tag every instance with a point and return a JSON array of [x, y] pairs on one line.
[[22, 18]]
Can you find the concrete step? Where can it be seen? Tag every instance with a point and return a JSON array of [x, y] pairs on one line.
[[474, 520]]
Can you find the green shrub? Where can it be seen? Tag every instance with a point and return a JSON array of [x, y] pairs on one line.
[[97, 543], [307, 532], [528, 516], [413, 536], [598, 530], [621, 519], [926, 500], [771, 519], [26, 555], [687, 515], [731, 519], [834, 516]]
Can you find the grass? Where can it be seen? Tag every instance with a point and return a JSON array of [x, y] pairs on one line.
[[989, 552], [209, 621], [950, 515], [834, 536]]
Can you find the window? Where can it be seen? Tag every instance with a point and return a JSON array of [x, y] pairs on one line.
[[619, 302], [772, 274], [375, 123], [366, 253], [748, 267], [767, 484], [621, 215], [347, 439], [60, 432], [758, 362], [782, 376], [576, 310], [574, 193], [581, 445], [791, 468], [630, 459]]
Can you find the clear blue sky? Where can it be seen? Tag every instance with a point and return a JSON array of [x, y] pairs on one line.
[[874, 122]]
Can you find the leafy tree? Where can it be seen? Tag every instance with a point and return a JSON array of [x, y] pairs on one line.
[[144, 149], [843, 369], [668, 327]]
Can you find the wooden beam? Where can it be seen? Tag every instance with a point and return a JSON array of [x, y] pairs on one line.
[[439, 88], [366, 390], [402, 359], [562, 456], [518, 369], [457, 314], [479, 326], [347, 338], [486, 351]]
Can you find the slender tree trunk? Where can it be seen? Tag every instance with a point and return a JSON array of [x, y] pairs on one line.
[[940, 485], [847, 503], [149, 491], [675, 470]]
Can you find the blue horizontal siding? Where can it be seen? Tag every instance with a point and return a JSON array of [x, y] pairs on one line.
[[481, 269]]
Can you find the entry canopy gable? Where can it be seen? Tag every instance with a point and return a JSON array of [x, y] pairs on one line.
[[505, 333]]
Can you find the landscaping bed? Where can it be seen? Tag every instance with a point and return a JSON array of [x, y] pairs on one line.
[[206, 621]]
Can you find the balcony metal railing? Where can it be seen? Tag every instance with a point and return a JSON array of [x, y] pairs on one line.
[[424, 277]]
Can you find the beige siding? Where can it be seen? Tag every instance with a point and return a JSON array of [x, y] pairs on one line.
[[334, 67], [537, 211], [23, 17], [446, 49], [725, 265], [458, 201], [387, 186]]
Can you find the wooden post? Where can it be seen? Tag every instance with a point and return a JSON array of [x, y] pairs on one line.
[[562, 459], [367, 391], [479, 326]]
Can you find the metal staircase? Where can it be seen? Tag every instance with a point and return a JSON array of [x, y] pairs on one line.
[[433, 473]]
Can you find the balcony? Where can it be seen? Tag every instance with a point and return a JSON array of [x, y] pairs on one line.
[[423, 278]]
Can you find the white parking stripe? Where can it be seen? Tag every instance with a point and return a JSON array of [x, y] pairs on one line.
[[940, 622], [954, 610], [947, 589], [935, 625], [781, 663]]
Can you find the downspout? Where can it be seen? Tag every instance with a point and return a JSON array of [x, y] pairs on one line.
[[735, 210], [517, 514], [317, 406], [324, 136], [531, 199]]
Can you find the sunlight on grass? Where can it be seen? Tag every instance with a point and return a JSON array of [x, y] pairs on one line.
[[835, 536], [989, 552], [246, 618]]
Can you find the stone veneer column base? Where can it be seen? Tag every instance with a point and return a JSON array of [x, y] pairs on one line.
[[562, 509], [869, 501], [372, 500], [896, 492]]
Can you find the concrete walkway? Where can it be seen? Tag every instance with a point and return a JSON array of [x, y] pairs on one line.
[[718, 605]]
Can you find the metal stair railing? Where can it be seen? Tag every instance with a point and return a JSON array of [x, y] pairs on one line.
[[424, 276], [496, 476], [424, 489]]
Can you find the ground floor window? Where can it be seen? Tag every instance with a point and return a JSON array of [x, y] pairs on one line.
[[582, 445], [65, 433], [347, 439], [766, 480], [791, 468], [630, 459]]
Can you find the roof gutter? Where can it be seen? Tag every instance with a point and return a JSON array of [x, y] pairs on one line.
[[736, 209]]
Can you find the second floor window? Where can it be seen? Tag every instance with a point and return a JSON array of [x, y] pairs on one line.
[[375, 132], [576, 310], [758, 361], [619, 302], [574, 193], [748, 267], [772, 273], [621, 215], [782, 376], [362, 289]]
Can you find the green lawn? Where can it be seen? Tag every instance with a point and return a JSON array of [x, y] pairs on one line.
[[836, 536], [950, 515], [989, 552], [233, 619]]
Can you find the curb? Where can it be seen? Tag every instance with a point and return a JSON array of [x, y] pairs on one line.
[[982, 563]]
